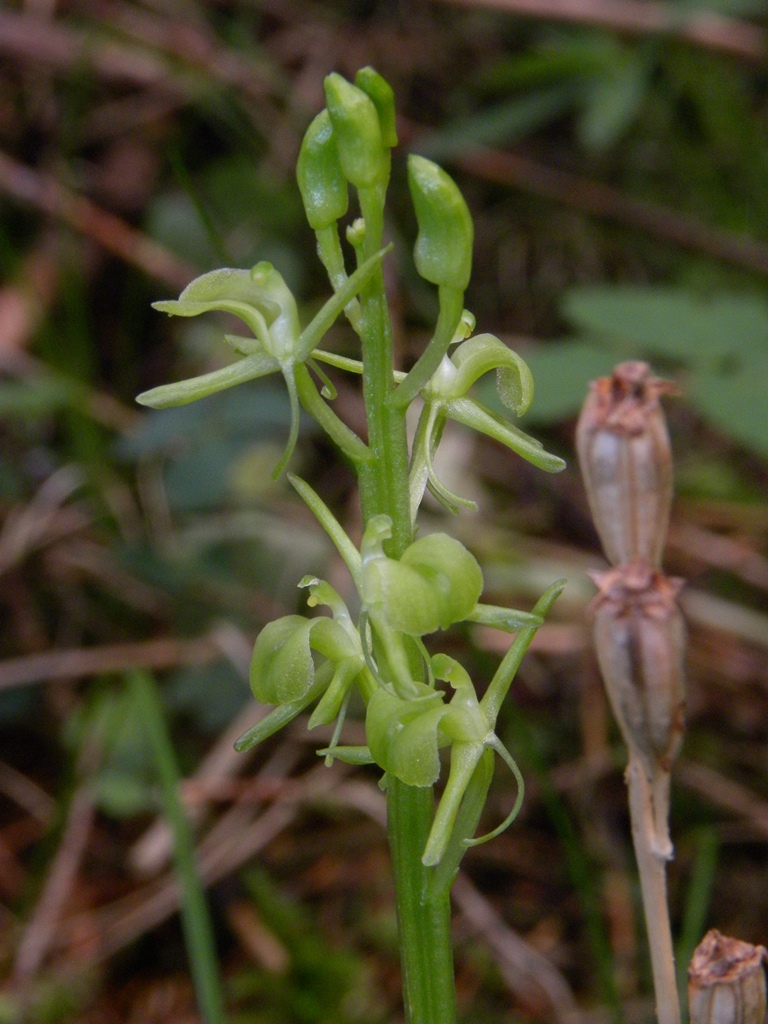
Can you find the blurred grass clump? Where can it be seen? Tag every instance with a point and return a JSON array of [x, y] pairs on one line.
[[616, 174]]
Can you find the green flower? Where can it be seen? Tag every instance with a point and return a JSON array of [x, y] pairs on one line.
[[445, 397], [297, 660], [263, 301]]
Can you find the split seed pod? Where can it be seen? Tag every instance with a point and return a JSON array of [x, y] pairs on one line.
[[626, 461], [640, 642], [726, 981]]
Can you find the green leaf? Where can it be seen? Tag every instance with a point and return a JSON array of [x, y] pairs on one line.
[[736, 403], [501, 124], [670, 323], [613, 101]]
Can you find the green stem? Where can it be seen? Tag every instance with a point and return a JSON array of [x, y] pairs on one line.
[[451, 308], [383, 485], [424, 920]]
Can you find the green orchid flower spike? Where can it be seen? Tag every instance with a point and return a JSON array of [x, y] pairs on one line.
[[263, 301], [420, 708], [445, 397]]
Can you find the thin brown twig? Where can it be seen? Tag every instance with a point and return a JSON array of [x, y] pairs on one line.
[[42, 191], [706, 29], [40, 932], [77, 663], [600, 200], [730, 796], [191, 43], [61, 47]]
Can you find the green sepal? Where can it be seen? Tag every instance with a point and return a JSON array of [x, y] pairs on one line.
[[464, 827], [443, 249], [282, 666], [349, 755], [485, 352], [184, 391], [324, 189], [356, 126], [465, 721], [284, 713], [382, 96], [435, 583], [510, 620], [228, 284], [473, 414], [403, 735], [285, 329], [330, 703]]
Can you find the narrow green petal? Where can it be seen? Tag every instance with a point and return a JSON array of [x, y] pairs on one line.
[[496, 744], [464, 760], [508, 619], [494, 696], [293, 435], [472, 414], [184, 391], [322, 321]]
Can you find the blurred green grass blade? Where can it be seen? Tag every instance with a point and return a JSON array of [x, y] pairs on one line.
[[195, 918], [580, 871], [187, 186], [697, 901], [498, 125]]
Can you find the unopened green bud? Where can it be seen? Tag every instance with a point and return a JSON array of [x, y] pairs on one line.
[[443, 250], [321, 180], [383, 98], [358, 132]]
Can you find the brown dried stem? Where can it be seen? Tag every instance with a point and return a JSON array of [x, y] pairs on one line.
[[651, 864], [707, 29]]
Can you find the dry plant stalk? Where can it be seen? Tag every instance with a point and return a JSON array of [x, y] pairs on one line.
[[726, 981], [626, 461]]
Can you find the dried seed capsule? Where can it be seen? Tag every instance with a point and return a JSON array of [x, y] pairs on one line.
[[640, 642], [626, 461], [726, 981]]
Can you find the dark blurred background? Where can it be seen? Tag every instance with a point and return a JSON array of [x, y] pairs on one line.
[[615, 158]]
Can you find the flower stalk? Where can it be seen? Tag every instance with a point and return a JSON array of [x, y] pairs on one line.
[[726, 981], [626, 463], [407, 587]]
